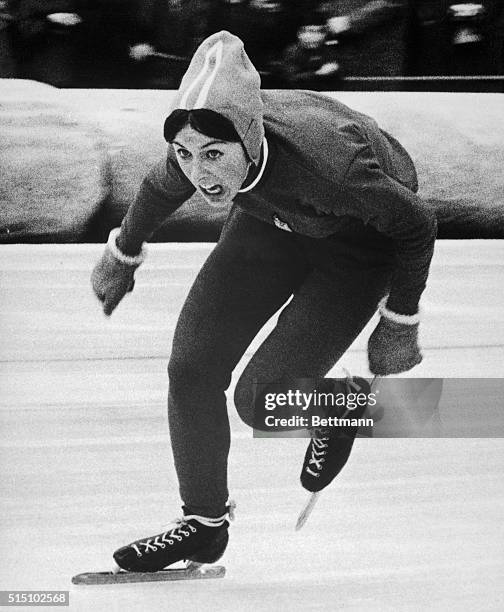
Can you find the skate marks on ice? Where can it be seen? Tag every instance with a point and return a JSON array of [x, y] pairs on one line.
[[411, 524], [414, 522], [48, 313]]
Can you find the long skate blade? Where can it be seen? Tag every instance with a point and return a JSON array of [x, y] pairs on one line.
[[307, 510], [200, 573]]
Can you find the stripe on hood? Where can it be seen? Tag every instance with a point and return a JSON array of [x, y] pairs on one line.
[[222, 78]]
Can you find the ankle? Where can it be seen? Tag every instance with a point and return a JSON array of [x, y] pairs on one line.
[[210, 519]]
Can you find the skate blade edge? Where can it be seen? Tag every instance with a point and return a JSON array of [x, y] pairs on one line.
[[122, 577], [307, 509]]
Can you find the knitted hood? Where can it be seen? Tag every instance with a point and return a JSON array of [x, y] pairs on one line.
[[222, 78]]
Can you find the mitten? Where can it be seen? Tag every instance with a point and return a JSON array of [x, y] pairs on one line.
[[113, 275], [393, 346]]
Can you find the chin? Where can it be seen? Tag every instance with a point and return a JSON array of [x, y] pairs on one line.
[[224, 201], [218, 204]]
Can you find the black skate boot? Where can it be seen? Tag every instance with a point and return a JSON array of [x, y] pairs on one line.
[[330, 447], [194, 538]]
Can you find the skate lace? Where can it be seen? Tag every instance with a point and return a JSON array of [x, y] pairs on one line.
[[180, 528], [320, 436], [319, 448]]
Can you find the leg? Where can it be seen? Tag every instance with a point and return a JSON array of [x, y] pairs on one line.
[[316, 328], [326, 314], [249, 275]]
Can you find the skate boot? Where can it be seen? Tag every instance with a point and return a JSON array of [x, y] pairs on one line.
[[330, 447], [194, 538]]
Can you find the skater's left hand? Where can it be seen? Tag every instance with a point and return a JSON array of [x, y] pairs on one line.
[[393, 348]]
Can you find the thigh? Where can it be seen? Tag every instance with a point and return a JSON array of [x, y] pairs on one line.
[[251, 272], [314, 330]]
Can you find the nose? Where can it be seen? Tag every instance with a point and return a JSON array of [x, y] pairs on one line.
[[198, 171]]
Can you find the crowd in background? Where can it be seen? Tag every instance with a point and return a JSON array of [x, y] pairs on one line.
[[294, 43]]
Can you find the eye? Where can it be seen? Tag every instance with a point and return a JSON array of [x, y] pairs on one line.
[[214, 154], [183, 153]]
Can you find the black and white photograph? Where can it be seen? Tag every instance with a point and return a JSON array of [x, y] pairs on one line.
[[252, 305]]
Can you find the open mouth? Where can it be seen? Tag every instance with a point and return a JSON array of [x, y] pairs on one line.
[[212, 190]]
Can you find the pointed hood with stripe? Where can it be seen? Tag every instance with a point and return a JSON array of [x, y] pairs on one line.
[[222, 78]]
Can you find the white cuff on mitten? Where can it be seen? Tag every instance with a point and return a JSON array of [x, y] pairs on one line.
[[119, 255], [395, 316]]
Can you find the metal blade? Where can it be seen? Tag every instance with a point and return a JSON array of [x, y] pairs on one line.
[[307, 510]]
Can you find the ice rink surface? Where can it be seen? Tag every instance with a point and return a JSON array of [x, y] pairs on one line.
[[410, 524]]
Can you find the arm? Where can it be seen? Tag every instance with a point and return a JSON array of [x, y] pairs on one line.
[[374, 197], [162, 191], [369, 194]]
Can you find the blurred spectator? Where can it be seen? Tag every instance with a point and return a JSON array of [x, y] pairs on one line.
[[293, 43], [106, 32], [7, 61], [372, 35], [231, 15], [266, 27], [46, 39], [309, 62], [494, 36], [458, 38], [430, 38], [466, 26], [271, 27], [166, 34]]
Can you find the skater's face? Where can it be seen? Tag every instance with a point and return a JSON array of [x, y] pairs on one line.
[[216, 168]]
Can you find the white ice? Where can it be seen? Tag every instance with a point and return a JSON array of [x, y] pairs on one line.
[[410, 524]]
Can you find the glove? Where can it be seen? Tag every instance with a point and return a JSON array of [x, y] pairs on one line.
[[393, 346], [113, 275]]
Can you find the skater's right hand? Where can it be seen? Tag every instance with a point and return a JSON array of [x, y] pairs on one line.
[[113, 275]]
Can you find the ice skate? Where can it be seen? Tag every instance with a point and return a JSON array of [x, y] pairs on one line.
[[330, 447], [193, 537], [196, 539]]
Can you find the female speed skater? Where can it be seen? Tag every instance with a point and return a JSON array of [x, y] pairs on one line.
[[325, 222]]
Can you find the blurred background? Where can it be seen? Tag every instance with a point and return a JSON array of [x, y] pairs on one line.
[[415, 45]]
